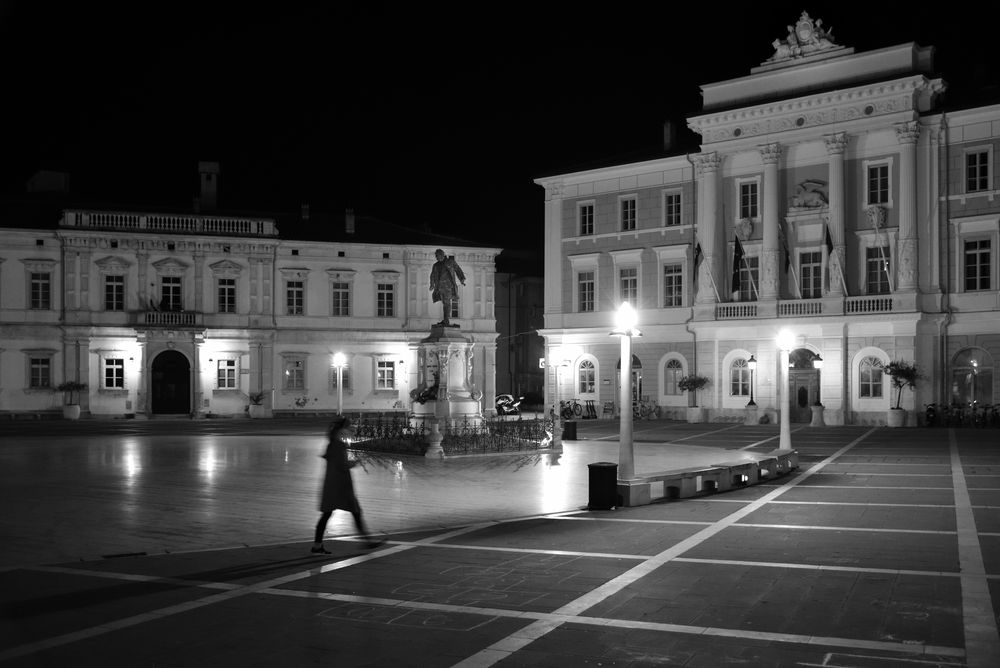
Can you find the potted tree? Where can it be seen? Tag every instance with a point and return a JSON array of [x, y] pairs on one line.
[[692, 383], [71, 393], [903, 374], [256, 407]]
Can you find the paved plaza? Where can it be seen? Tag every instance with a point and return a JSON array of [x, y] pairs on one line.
[[186, 544]]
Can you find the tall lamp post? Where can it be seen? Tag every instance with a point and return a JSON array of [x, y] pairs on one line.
[[557, 406], [339, 360], [752, 363], [625, 328], [785, 341]]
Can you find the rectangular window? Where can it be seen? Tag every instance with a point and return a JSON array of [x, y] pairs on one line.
[[227, 375], [628, 213], [748, 200], [977, 265], [386, 379], [386, 295], [673, 286], [877, 270], [341, 299], [295, 298], [977, 171], [671, 209], [345, 375], [295, 375], [629, 285], [114, 373], [811, 275], [227, 295], [749, 278], [41, 290], [878, 184], [40, 372], [114, 293], [585, 213], [170, 293], [585, 281]]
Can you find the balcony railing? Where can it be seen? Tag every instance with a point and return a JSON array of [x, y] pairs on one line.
[[868, 304], [169, 318], [180, 224], [796, 307], [736, 311]]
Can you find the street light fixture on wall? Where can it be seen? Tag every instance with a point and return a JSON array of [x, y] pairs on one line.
[[339, 360], [785, 340], [752, 363], [625, 327]]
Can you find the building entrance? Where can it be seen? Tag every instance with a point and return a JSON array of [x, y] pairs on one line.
[[171, 383], [803, 385]]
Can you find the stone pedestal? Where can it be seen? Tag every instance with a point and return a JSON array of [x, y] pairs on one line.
[[445, 396], [751, 415], [817, 416]]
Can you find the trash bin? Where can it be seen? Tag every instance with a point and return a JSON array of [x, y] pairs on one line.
[[603, 485], [569, 430]]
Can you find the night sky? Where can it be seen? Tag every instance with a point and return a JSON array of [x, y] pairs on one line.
[[434, 115]]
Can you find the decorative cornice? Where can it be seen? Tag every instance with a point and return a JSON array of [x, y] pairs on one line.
[[707, 162], [839, 106], [908, 132], [770, 153], [836, 143]]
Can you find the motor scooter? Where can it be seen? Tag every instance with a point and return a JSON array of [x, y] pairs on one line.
[[507, 405]]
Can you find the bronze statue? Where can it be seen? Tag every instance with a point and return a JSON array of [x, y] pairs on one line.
[[445, 277]]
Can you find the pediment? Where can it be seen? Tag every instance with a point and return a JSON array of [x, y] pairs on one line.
[[113, 263], [170, 266], [226, 268]]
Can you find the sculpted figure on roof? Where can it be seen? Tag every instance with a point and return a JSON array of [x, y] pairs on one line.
[[804, 38]]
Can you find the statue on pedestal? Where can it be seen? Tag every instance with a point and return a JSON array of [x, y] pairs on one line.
[[445, 277]]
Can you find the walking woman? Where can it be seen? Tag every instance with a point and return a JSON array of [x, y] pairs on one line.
[[338, 487]]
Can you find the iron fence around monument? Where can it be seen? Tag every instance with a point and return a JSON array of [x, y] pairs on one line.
[[401, 434]]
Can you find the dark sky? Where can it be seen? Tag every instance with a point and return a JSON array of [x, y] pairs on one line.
[[435, 114]]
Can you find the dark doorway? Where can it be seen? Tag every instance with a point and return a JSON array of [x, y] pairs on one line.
[[803, 384], [171, 383]]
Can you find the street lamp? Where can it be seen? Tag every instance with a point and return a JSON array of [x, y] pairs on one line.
[[625, 327], [752, 363], [785, 341], [339, 360], [818, 364]]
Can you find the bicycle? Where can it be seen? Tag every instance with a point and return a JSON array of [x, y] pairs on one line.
[[570, 408], [645, 409]]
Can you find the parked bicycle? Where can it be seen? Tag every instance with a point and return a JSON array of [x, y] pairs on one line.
[[570, 408], [645, 409]]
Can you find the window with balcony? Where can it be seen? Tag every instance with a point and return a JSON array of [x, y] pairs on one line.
[[295, 297], [41, 291], [877, 270], [585, 219], [585, 291], [749, 278], [114, 292], [671, 209], [977, 264], [739, 378], [114, 373], [171, 289], [673, 285], [226, 290], [811, 275], [627, 212], [870, 378], [977, 170]]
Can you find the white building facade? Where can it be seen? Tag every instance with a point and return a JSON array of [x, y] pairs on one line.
[[831, 198], [195, 314]]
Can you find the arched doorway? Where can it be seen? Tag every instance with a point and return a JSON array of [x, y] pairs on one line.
[[636, 380], [170, 383], [803, 384]]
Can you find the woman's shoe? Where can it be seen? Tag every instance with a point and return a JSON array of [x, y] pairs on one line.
[[319, 549]]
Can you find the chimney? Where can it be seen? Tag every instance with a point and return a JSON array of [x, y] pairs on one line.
[[669, 136], [209, 172], [349, 221], [305, 212]]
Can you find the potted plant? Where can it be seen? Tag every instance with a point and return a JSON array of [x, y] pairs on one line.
[[903, 374], [256, 407], [692, 383], [71, 390]]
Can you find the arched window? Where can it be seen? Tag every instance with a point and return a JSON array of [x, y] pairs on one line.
[[739, 378], [586, 374], [870, 378], [672, 373]]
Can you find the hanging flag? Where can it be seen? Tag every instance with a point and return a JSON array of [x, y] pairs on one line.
[[829, 241], [737, 258], [784, 248], [697, 258]]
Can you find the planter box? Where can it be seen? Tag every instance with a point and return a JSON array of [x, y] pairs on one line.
[[895, 417], [71, 412], [695, 414]]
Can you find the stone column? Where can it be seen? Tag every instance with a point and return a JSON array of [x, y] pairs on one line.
[[199, 281], [907, 134], [142, 392], [554, 259], [770, 154], [145, 296], [836, 144], [707, 167]]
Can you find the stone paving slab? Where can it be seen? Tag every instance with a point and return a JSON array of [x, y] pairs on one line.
[[916, 497], [864, 517]]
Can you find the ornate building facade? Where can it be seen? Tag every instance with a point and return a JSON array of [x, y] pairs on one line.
[[203, 315], [832, 198]]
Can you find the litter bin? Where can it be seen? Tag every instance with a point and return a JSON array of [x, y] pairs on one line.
[[603, 485], [569, 430]]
